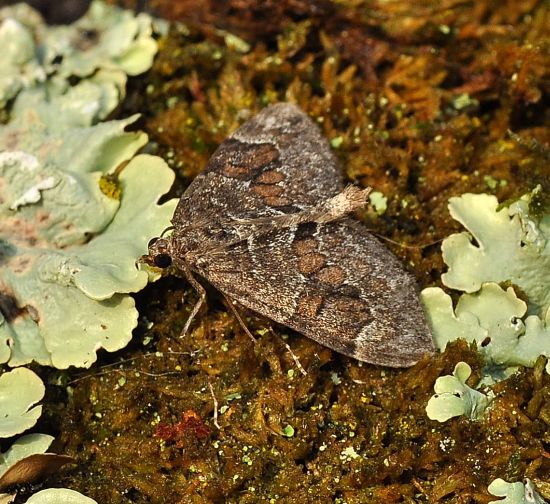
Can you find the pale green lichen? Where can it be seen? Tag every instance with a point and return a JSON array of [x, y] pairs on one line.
[[107, 39], [20, 390], [27, 457], [71, 227], [25, 446], [77, 255], [379, 202], [511, 246], [19, 65], [83, 104], [68, 247], [454, 398], [493, 318], [73, 219], [515, 493]]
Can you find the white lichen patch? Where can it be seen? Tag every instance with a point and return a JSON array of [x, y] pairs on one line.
[[32, 194], [59, 496]]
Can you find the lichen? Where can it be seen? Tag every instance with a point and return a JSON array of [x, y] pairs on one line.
[[26, 461], [494, 319], [20, 390], [19, 65], [453, 397], [70, 245], [59, 496], [79, 247], [107, 39], [30, 444], [379, 202], [515, 493], [503, 244], [511, 245]]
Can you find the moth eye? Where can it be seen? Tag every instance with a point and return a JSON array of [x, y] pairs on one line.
[[152, 241], [162, 260]]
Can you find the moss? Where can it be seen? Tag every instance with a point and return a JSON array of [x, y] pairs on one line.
[[362, 439]]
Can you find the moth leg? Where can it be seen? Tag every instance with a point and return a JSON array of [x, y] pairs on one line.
[[292, 354], [202, 297], [238, 317]]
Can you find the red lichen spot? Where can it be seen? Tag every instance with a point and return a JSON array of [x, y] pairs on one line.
[[190, 427]]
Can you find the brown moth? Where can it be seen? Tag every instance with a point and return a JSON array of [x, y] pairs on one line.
[[267, 223]]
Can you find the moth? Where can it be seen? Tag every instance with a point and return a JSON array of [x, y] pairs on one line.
[[268, 224]]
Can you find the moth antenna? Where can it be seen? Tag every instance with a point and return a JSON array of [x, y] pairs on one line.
[[404, 245], [169, 228]]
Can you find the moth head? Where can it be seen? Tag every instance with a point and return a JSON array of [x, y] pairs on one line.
[[160, 253]]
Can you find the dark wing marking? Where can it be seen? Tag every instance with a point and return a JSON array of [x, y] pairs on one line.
[[277, 162], [333, 282]]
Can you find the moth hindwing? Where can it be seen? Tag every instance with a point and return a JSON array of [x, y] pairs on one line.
[[266, 222]]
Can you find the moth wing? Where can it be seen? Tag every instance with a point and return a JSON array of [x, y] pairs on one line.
[[277, 162], [338, 285]]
